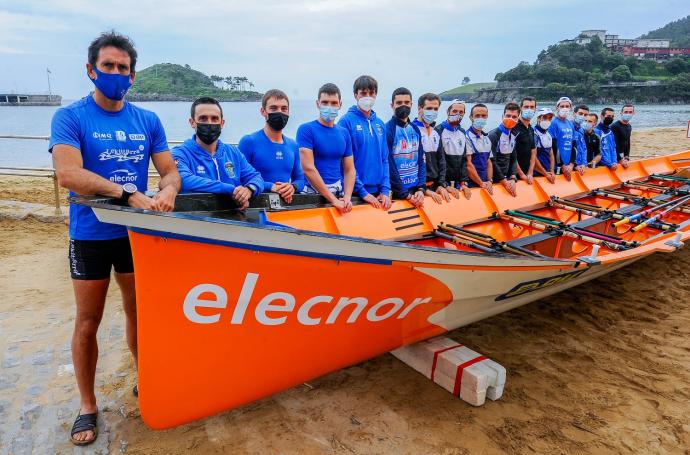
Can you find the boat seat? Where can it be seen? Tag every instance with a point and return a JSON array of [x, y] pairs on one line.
[[534, 238]]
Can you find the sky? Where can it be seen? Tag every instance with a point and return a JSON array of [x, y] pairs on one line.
[[299, 45]]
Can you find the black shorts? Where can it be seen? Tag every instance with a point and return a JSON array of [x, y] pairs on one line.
[[93, 259]]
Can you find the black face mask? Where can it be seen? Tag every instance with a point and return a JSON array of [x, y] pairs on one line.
[[608, 121], [277, 120], [402, 112], [208, 133]]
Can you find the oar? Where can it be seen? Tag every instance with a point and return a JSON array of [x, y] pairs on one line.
[[461, 241], [647, 187], [673, 178], [658, 216], [637, 200], [567, 233], [662, 226], [644, 213], [481, 237]]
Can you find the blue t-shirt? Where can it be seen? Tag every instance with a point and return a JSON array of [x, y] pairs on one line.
[[562, 131], [275, 162], [329, 144], [115, 145]]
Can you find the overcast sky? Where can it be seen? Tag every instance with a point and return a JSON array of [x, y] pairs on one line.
[[299, 45]]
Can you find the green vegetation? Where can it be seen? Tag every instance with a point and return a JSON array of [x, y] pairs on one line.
[[677, 31], [467, 89], [172, 82]]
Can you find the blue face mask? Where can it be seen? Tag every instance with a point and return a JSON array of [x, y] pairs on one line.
[[627, 117], [479, 123], [113, 86], [579, 119], [527, 114], [328, 113], [430, 115]]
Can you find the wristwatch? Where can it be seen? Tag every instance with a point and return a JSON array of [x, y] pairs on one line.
[[128, 189]]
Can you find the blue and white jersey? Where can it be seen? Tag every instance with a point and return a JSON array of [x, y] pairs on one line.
[[478, 149], [544, 144], [609, 155], [406, 157], [115, 145]]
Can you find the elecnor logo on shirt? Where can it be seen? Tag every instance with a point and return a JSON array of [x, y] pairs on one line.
[[121, 155], [121, 136], [123, 176], [102, 136]]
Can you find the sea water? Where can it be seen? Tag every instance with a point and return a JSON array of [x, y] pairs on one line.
[[244, 118]]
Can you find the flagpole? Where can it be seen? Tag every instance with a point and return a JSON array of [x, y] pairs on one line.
[[50, 93]]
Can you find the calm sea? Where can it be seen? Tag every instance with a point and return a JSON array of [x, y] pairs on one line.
[[243, 118]]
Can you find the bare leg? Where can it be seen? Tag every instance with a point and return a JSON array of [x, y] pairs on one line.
[[129, 304], [90, 299]]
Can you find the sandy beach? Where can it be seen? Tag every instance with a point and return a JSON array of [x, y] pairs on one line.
[[603, 368]]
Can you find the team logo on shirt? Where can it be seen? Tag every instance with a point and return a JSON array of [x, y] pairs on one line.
[[230, 169], [358, 127], [123, 176], [121, 155], [121, 136], [279, 154], [200, 169]]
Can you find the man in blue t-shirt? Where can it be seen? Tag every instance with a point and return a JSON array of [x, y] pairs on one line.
[[369, 149], [101, 145], [406, 155], [326, 152], [562, 131], [207, 164], [273, 154]]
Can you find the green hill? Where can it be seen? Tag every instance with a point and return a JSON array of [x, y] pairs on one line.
[[677, 31], [465, 90], [172, 82]]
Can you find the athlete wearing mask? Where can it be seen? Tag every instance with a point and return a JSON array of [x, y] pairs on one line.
[[562, 133], [609, 156], [452, 140], [592, 141], [525, 151], [427, 113], [273, 154], [503, 142], [579, 145], [480, 165], [405, 156], [206, 164], [102, 144], [546, 161], [368, 138], [622, 131]]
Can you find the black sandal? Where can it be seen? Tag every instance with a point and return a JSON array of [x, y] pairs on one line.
[[84, 422]]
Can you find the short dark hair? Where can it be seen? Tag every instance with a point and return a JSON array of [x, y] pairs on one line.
[[428, 97], [401, 91], [605, 110], [627, 105], [511, 107], [274, 93], [584, 107], [116, 40], [476, 106], [527, 98], [365, 83], [205, 100], [592, 114], [329, 89]]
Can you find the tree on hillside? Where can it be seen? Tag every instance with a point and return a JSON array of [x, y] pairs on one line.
[[621, 73], [465, 80]]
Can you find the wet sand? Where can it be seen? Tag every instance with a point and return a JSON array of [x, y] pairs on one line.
[[602, 368]]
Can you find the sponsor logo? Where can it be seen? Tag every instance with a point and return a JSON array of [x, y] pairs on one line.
[[120, 136], [358, 127], [536, 285], [230, 169], [277, 308], [123, 176], [102, 136], [137, 137], [200, 169], [279, 155], [379, 130], [121, 155]]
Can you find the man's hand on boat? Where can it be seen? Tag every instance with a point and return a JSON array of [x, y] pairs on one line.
[[488, 186], [567, 171], [343, 204], [165, 199], [285, 190], [241, 195], [625, 163], [581, 169], [385, 201], [416, 199], [551, 177], [141, 201], [509, 185]]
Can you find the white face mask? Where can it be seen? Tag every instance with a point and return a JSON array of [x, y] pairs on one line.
[[457, 118], [545, 124], [563, 112], [365, 103]]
